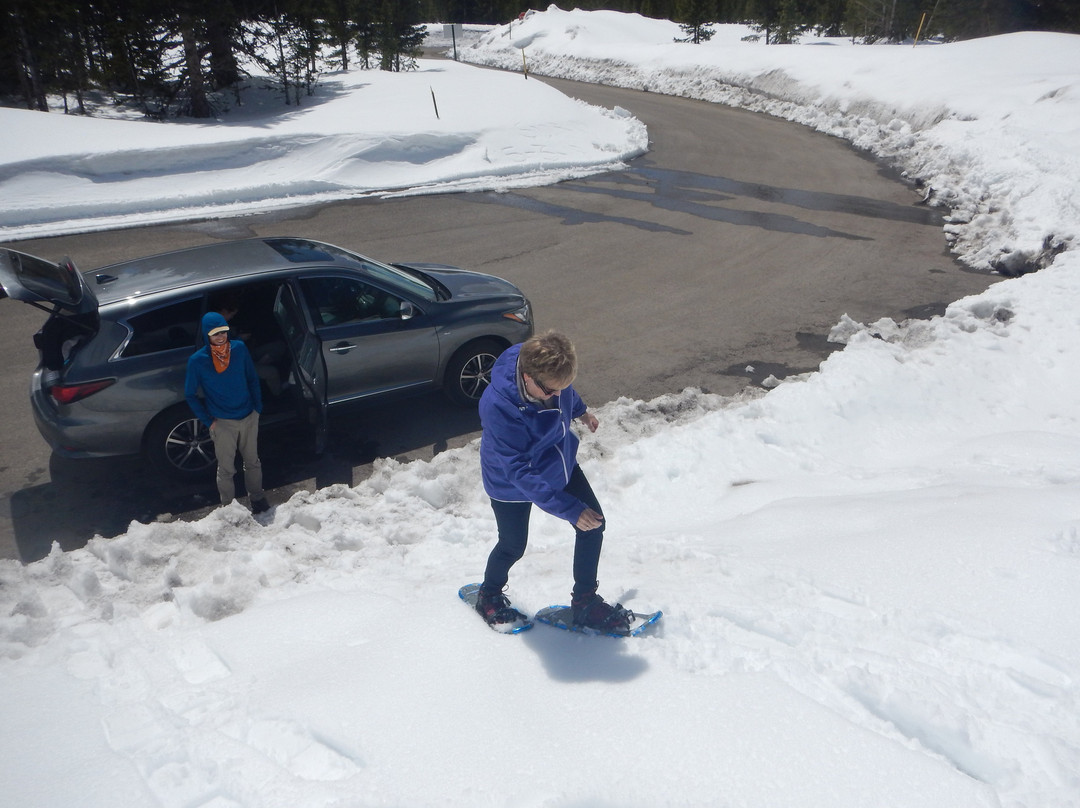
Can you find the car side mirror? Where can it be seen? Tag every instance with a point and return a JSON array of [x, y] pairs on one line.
[[407, 310]]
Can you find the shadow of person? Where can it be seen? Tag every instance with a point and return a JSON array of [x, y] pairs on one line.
[[571, 657], [103, 496], [96, 497]]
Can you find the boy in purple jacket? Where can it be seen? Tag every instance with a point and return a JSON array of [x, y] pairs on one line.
[[230, 405], [528, 455]]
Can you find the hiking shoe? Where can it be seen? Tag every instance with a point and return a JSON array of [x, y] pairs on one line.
[[260, 506], [495, 608], [590, 611]]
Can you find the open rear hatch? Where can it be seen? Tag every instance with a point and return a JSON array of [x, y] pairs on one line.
[[60, 290]]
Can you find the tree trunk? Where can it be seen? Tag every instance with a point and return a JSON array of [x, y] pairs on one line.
[[283, 63], [29, 75], [224, 72], [343, 44], [200, 106]]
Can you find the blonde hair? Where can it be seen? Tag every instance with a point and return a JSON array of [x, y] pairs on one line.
[[549, 358]]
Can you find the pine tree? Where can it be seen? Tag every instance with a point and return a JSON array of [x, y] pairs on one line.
[[399, 34], [788, 25], [694, 18]]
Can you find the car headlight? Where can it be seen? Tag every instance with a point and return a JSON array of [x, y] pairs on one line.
[[521, 315]]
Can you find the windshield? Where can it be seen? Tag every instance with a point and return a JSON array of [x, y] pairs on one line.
[[302, 251], [399, 279]]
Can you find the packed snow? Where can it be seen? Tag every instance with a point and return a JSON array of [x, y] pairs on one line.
[[444, 127], [870, 576]]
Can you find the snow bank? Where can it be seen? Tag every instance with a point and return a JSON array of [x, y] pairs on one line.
[[989, 126], [445, 127]]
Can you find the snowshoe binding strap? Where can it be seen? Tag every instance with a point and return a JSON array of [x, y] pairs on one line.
[[593, 612], [496, 609]]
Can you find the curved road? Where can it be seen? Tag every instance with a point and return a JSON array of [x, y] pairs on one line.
[[738, 241]]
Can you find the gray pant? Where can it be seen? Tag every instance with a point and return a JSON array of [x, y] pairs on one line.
[[229, 436]]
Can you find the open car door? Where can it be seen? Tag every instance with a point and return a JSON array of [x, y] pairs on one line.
[[307, 359], [60, 290], [43, 283]]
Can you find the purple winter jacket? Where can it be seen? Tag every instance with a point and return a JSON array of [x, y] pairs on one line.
[[527, 452]]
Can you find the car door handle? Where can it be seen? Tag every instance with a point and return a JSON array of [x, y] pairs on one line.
[[342, 347]]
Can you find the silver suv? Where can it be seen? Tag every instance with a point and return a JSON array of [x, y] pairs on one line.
[[325, 326]]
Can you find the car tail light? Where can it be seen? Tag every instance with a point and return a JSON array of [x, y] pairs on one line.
[[70, 393]]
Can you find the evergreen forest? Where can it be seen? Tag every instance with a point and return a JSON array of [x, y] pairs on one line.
[[175, 58]]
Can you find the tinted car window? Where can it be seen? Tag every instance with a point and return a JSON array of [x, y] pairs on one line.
[[300, 251], [336, 301], [164, 329]]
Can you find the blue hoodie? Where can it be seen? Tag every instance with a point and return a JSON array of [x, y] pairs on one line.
[[527, 451], [232, 394]]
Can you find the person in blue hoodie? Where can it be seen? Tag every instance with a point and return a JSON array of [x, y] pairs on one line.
[[528, 456], [230, 404]]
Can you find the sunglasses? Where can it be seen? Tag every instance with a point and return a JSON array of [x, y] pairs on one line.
[[543, 388]]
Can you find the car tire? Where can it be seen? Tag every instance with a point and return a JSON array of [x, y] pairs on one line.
[[177, 444], [469, 372]]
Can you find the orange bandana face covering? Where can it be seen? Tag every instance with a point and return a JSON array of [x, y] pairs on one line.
[[220, 354]]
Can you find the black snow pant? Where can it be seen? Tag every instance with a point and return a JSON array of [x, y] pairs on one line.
[[513, 522]]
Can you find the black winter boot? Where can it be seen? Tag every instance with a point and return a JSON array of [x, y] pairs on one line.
[[495, 607], [590, 611]]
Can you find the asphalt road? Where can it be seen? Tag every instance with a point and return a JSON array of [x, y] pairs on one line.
[[738, 241]]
